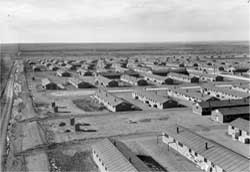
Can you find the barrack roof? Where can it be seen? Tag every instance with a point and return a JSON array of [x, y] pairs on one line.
[[152, 95], [234, 110], [241, 124], [113, 100], [225, 103], [218, 154], [112, 158], [225, 90]]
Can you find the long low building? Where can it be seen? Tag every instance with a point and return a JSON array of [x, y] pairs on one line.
[[84, 72], [110, 74], [153, 99], [164, 71], [114, 156], [119, 68], [207, 77], [134, 80], [206, 154], [223, 115], [104, 81], [63, 73], [158, 79], [188, 95], [242, 87], [88, 66], [183, 77], [206, 108], [47, 64], [61, 64], [37, 68], [238, 69], [222, 92], [48, 84], [111, 102], [239, 129], [79, 83], [142, 69], [53, 68]]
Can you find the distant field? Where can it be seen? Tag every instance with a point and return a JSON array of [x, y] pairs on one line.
[[137, 46], [174, 48], [5, 65], [7, 52]]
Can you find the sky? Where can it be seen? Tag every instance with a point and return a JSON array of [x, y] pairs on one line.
[[123, 20]]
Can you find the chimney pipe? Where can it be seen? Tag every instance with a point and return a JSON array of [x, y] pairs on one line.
[[177, 130], [129, 159], [53, 104], [206, 146], [55, 109]]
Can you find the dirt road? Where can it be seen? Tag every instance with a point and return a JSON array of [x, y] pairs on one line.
[[5, 117]]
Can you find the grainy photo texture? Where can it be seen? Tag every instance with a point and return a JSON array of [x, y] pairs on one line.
[[125, 85]]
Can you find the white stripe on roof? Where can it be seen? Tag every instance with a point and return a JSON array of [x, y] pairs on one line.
[[112, 157], [216, 153]]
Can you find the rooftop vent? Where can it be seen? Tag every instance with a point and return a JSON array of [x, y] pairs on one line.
[[206, 146]]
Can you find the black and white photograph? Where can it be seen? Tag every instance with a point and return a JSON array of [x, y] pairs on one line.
[[125, 85]]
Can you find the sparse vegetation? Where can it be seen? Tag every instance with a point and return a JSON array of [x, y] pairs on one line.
[[5, 66], [139, 126], [88, 105], [81, 161], [163, 118], [62, 124], [145, 120], [151, 163]]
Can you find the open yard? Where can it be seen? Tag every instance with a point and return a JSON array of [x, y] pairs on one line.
[[32, 136], [37, 162], [109, 124]]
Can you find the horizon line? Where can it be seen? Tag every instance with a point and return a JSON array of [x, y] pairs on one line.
[[132, 42]]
